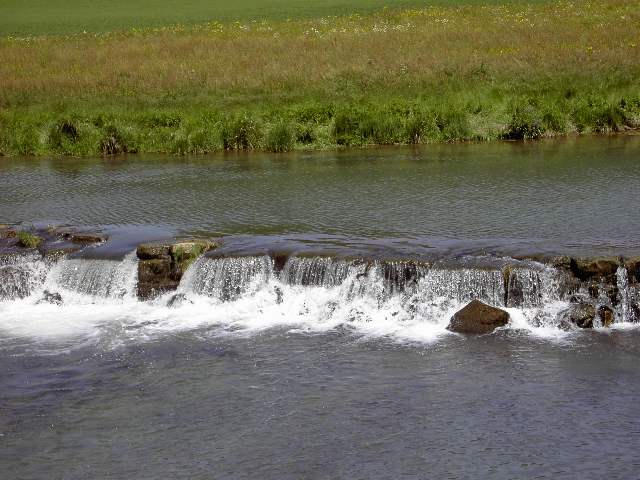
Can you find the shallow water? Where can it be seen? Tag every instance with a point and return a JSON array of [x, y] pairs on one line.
[[323, 367], [557, 196]]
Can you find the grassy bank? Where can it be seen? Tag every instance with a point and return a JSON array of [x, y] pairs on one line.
[[474, 72]]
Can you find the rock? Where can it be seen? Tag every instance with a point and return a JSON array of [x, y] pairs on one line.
[[597, 268], [150, 251], [580, 315], [562, 262], [88, 238], [609, 290], [56, 253], [51, 297], [606, 316], [155, 277], [478, 317], [177, 300], [633, 269], [162, 264], [7, 232]]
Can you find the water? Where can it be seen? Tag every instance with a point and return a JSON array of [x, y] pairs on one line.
[[313, 344], [569, 196]]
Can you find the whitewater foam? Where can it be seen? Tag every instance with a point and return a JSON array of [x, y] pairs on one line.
[[243, 295]]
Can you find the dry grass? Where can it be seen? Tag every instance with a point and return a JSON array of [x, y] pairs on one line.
[[405, 49]]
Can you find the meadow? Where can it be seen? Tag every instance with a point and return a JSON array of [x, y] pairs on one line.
[[38, 17], [394, 76]]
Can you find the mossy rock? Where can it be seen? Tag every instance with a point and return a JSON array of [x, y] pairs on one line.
[[150, 251], [185, 253]]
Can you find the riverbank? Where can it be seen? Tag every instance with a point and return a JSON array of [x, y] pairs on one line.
[[440, 74]]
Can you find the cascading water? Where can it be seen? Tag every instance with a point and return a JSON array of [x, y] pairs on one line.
[[403, 299], [227, 278], [21, 275], [629, 298], [95, 278]]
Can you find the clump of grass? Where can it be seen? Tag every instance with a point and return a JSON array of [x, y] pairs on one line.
[[420, 127], [115, 141], [453, 124], [305, 134], [380, 128], [240, 133], [344, 129], [62, 133], [526, 123], [28, 239], [280, 138]]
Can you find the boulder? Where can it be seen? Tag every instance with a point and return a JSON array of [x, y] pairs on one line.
[[596, 268], [478, 317], [580, 314]]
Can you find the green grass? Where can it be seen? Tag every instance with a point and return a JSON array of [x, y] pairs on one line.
[[438, 74], [37, 17], [28, 240]]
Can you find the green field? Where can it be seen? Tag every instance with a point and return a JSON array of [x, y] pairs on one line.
[[35, 17], [419, 75]]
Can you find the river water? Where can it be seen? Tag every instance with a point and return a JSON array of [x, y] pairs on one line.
[[323, 366]]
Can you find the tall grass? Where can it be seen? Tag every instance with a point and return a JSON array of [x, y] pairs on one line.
[[413, 76]]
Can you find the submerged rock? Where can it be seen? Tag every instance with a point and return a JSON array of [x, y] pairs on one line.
[[478, 317], [51, 297]]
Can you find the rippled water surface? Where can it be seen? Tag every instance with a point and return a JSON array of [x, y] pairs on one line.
[[574, 195], [324, 366]]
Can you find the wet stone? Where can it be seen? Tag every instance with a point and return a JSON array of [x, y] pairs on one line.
[[478, 317]]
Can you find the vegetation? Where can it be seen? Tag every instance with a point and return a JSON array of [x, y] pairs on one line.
[[28, 240], [37, 17], [436, 74]]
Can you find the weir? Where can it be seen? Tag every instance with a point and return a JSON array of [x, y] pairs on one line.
[[333, 288]]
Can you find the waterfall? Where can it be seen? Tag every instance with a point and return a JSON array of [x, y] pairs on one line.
[[629, 298], [21, 275], [97, 278], [227, 278]]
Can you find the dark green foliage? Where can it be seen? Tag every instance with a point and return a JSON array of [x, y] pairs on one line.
[[526, 123], [453, 125], [313, 112], [555, 121], [305, 134], [420, 127], [380, 128], [345, 127], [185, 128], [26, 140], [280, 138], [62, 135], [240, 133], [115, 141], [157, 119], [630, 108]]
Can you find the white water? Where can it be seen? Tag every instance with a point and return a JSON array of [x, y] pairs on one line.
[[245, 295]]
